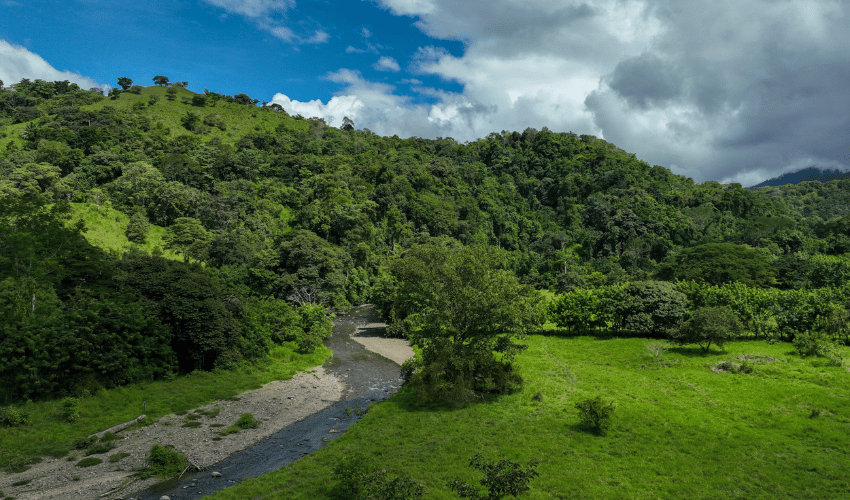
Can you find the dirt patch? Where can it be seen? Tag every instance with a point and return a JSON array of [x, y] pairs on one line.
[[275, 405]]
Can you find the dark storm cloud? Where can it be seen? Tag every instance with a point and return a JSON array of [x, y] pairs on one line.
[[645, 80]]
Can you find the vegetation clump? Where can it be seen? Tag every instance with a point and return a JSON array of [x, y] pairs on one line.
[[359, 478], [502, 478], [89, 462], [595, 413], [164, 461], [11, 416]]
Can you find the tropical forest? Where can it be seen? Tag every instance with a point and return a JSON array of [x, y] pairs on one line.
[[584, 324]]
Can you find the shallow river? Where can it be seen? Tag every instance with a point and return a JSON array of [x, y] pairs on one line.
[[367, 376]]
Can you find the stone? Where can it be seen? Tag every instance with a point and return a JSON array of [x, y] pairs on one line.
[[334, 431], [216, 474], [165, 497]]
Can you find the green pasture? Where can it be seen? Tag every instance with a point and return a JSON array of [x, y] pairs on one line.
[[680, 429], [106, 227]]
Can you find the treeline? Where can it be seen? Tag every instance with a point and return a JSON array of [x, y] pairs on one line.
[[270, 211], [656, 308]]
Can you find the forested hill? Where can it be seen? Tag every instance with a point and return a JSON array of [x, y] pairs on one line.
[[270, 210], [806, 174]]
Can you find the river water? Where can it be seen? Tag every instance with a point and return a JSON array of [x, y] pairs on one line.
[[368, 377]]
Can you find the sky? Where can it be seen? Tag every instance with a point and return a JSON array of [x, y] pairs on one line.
[[727, 90]]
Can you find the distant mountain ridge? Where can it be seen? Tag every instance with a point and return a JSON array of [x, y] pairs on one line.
[[806, 174]]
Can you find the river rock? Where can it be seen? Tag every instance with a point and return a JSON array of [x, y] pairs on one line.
[[216, 474]]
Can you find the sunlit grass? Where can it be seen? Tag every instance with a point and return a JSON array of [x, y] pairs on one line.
[[680, 430], [48, 434], [106, 227]]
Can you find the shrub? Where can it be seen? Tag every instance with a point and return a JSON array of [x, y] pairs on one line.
[[596, 413], [118, 457], [12, 417], [501, 478], [89, 462], [70, 409], [164, 461], [247, 421], [360, 478], [98, 448], [657, 348], [816, 343]]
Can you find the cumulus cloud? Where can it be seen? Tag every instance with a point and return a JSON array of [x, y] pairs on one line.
[[727, 91], [386, 63], [17, 63], [269, 15]]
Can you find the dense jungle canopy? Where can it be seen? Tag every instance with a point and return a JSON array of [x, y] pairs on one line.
[[268, 216]]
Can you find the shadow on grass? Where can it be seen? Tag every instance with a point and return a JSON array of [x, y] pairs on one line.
[[697, 352]]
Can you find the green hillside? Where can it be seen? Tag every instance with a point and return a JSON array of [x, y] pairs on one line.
[[251, 226]]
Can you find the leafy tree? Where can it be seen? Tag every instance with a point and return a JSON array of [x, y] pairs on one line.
[[138, 227], [171, 93], [502, 478], [708, 325], [125, 83], [464, 308], [160, 80], [717, 263], [189, 237], [647, 308]]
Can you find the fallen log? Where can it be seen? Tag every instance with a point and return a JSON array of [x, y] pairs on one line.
[[118, 428]]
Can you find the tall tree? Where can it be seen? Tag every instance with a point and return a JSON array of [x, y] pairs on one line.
[[160, 80], [125, 83], [464, 308]]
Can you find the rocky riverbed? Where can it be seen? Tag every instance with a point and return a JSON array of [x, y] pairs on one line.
[[297, 416]]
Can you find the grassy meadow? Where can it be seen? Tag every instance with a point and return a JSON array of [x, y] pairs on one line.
[[105, 228], [680, 430], [48, 434]]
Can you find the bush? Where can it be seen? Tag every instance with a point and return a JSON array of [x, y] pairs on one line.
[[501, 478], [817, 343], [98, 448], [164, 461], [359, 478], [12, 417], [70, 409], [708, 325], [118, 457], [247, 421], [595, 413], [89, 462]]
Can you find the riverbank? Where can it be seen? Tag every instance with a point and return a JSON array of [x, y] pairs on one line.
[[277, 405]]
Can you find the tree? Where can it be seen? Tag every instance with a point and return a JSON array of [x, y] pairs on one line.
[[347, 124], [161, 80], [189, 237], [171, 93], [463, 308], [708, 325], [138, 227], [125, 83], [717, 263]]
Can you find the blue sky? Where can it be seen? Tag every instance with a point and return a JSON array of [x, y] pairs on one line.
[[723, 90]]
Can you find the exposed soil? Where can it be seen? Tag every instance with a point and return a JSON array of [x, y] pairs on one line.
[[297, 416]]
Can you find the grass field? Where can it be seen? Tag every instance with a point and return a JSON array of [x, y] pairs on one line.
[[680, 430], [106, 226], [48, 434]]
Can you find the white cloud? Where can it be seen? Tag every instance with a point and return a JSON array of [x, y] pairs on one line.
[[386, 63], [724, 91], [266, 15], [253, 8], [17, 63], [365, 32]]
